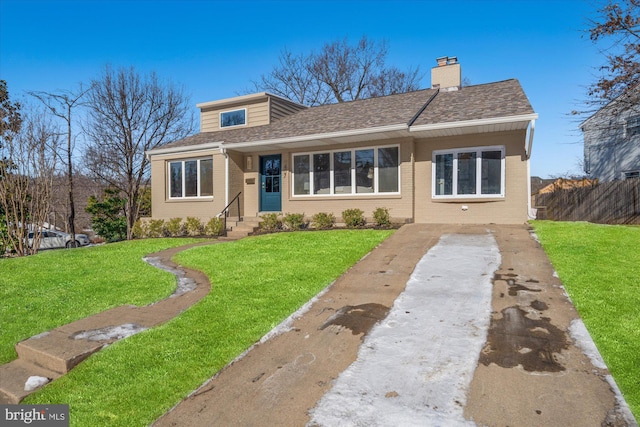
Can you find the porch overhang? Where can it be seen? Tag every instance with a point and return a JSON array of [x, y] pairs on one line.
[[324, 139], [476, 126], [184, 149], [464, 127]]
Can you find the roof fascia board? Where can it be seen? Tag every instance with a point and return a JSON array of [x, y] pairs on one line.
[[234, 100], [184, 149], [243, 98], [475, 122], [330, 135]]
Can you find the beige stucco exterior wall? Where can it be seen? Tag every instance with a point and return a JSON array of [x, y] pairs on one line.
[[512, 209], [164, 208], [236, 178]]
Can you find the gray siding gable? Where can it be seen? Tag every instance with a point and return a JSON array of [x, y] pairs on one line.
[[610, 150]]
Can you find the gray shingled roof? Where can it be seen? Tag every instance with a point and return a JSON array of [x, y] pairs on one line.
[[492, 100], [500, 99]]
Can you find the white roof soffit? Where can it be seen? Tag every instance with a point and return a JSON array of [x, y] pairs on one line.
[[184, 149], [307, 141], [497, 124]]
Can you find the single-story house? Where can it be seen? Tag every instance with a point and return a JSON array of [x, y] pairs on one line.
[[448, 154]]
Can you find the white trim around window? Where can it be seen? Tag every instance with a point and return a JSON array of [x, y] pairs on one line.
[[473, 172], [234, 119], [631, 174], [360, 172], [190, 178]]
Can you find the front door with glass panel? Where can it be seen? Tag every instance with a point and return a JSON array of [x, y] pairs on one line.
[[270, 180]]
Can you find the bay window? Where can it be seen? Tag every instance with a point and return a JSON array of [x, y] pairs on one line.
[[468, 172], [347, 172], [191, 178]]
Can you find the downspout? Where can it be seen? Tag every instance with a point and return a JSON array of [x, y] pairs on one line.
[[223, 151], [531, 213]]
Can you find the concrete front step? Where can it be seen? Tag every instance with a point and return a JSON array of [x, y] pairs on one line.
[[56, 350], [240, 229], [14, 376]]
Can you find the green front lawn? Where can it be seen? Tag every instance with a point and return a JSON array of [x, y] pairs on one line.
[[256, 283], [56, 287], [599, 266]]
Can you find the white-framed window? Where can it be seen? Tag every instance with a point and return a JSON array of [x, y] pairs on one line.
[[356, 171], [632, 126], [632, 174], [233, 118], [190, 178], [468, 173]]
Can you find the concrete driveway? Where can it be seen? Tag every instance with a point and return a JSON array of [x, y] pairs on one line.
[[439, 326]]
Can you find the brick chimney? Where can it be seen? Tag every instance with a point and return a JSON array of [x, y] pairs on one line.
[[447, 75]]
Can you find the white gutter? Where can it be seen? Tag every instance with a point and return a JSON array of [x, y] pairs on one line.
[[475, 122], [317, 136], [530, 141], [184, 149]]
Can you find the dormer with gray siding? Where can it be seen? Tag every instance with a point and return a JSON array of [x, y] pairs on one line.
[[244, 111]]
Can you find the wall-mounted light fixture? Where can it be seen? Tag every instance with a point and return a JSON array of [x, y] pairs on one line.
[[249, 163]]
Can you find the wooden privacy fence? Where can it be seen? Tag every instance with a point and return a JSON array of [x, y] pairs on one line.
[[616, 202]]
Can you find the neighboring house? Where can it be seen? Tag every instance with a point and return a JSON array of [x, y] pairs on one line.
[[448, 154], [612, 140]]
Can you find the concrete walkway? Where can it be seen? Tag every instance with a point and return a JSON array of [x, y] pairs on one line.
[[49, 355], [481, 333]]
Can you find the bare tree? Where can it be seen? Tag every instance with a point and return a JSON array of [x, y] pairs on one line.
[[292, 79], [27, 182], [618, 24], [340, 72], [61, 105], [393, 80], [128, 115]]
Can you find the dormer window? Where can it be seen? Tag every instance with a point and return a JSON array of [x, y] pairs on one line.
[[233, 118]]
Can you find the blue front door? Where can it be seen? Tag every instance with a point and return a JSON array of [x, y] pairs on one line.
[[270, 180]]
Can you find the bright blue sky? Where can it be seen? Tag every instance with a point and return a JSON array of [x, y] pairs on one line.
[[215, 48]]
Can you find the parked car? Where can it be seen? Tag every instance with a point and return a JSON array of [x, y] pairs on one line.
[[51, 239]]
